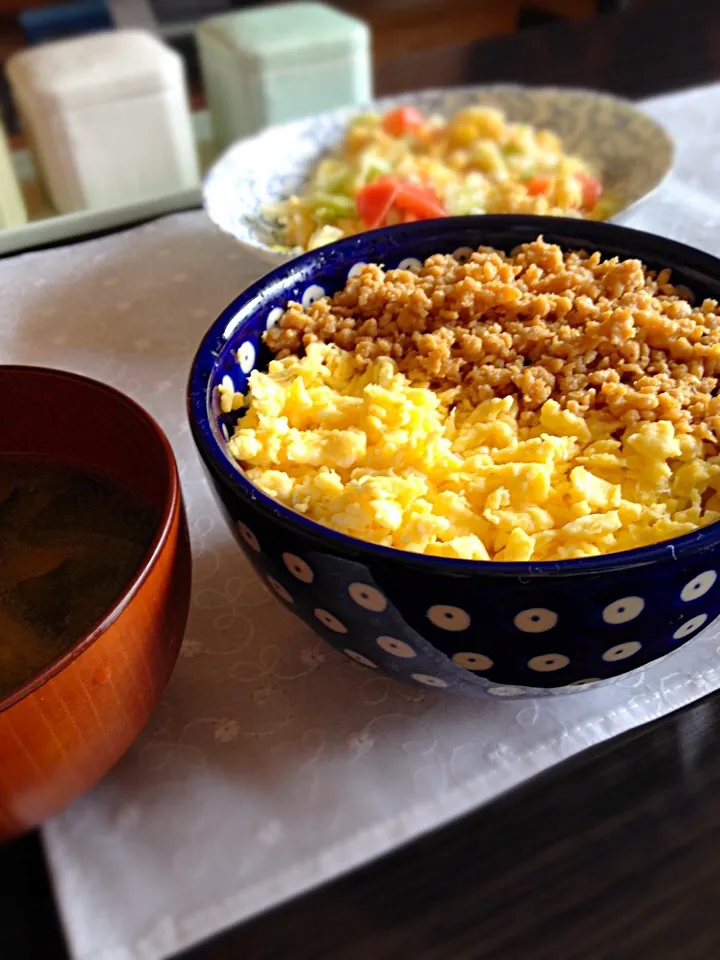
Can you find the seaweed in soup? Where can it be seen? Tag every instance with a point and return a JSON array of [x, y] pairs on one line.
[[70, 542]]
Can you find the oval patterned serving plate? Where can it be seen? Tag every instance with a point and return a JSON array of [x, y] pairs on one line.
[[631, 151]]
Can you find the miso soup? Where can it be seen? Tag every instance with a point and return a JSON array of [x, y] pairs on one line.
[[70, 542]]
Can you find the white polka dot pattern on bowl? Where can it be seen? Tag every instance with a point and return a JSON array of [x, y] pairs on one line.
[[449, 618], [698, 586], [429, 681], [690, 626], [355, 269], [535, 620], [248, 536], [409, 263], [279, 590], [227, 383], [273, 317], [368, 597], [622, 651], [624, 610], [330, 621], [359, 658], [298, 568], [455, 619], [313, 293], [398, 648], [472, 661], [364, 596], [246, 356], [547, 662]]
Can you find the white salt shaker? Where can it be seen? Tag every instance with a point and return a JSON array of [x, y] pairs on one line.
[[107, 117]]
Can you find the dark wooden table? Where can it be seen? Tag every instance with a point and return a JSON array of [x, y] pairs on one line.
[[614, 855]]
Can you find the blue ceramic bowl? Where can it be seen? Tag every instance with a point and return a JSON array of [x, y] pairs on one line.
[[468, 627]]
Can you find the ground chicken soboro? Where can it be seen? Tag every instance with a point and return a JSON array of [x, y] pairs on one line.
[[542, 405]]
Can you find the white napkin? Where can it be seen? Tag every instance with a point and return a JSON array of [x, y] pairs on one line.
[[273, 763]]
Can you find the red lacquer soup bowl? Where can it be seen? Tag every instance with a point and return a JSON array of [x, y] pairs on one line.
[[66, 727]]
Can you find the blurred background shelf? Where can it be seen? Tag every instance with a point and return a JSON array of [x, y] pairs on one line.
[[398, 26]]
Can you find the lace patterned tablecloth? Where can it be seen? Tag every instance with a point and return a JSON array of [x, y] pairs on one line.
[[274, 763]]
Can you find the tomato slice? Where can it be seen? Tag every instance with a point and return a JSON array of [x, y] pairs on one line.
[[420, 200], [591, 189], [375, 200], [536, 186], [402, 120], [411, 200]]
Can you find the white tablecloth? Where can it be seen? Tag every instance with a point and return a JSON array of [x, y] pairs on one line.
[[273, 763]]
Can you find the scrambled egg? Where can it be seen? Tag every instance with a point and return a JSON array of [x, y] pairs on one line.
[[378, 458]]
